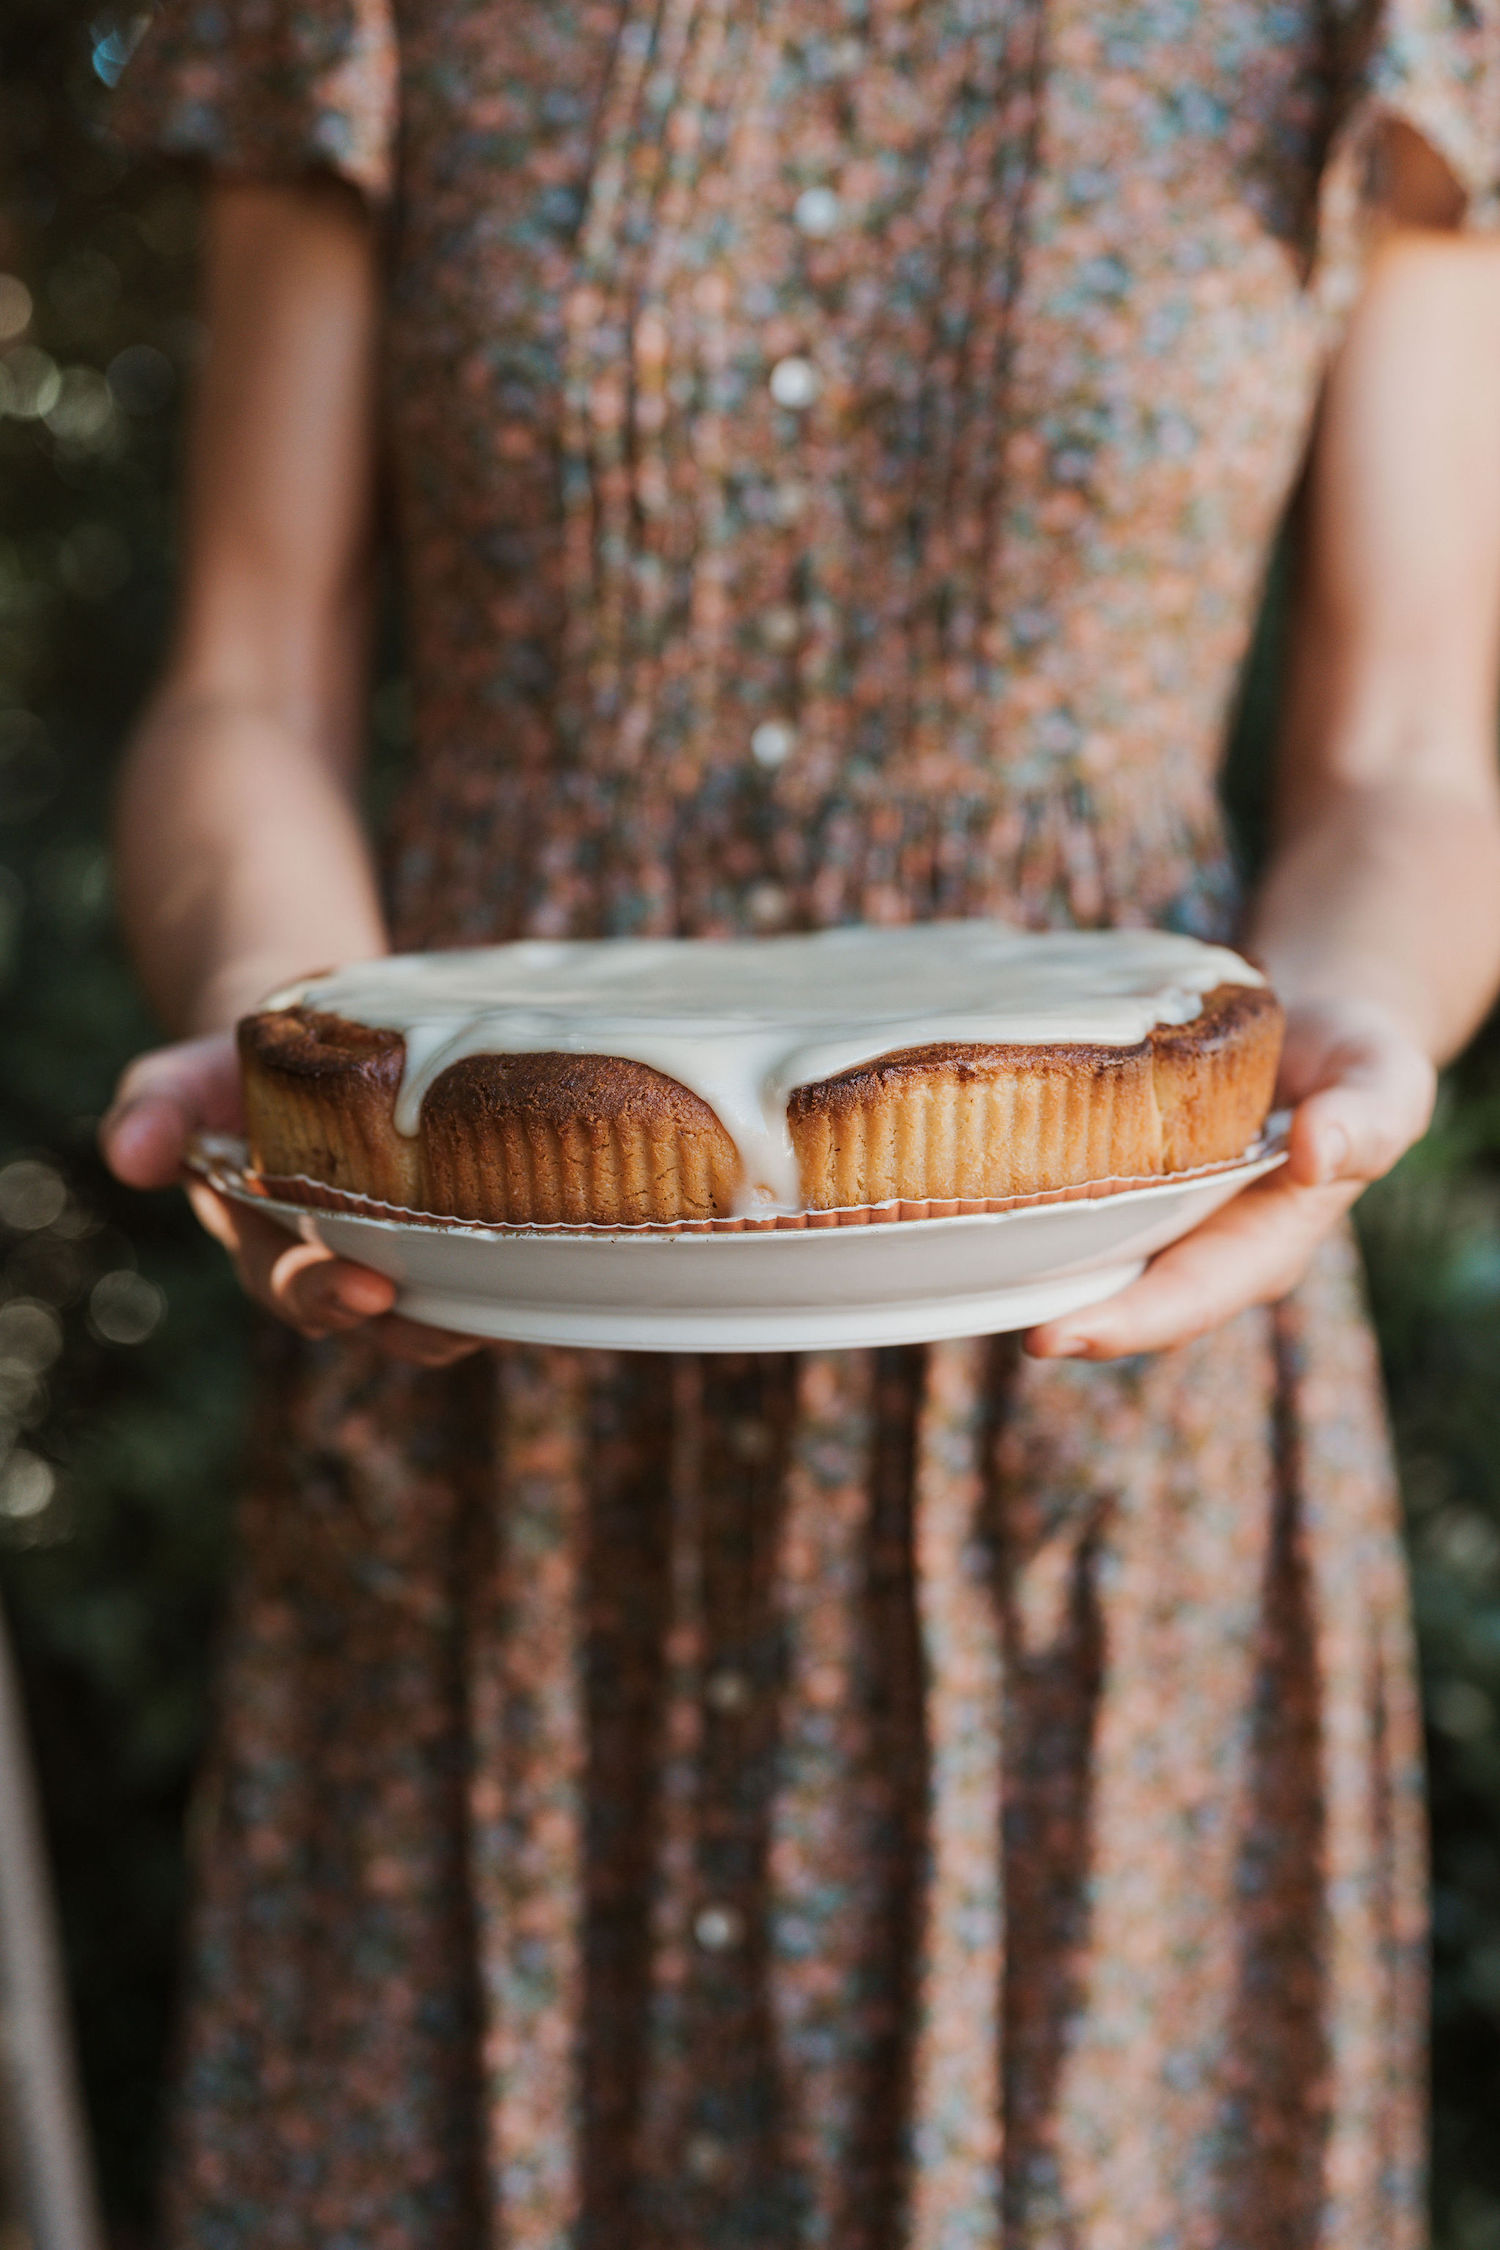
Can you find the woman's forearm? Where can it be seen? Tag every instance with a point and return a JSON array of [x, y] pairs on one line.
[[1389, 893], [242, 860], [1384, 886], [240, 851]]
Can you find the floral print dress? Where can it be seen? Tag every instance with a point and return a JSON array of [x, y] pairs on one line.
[[906, 1800]]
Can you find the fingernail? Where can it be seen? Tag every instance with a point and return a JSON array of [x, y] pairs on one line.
[[1333, 1152], [1067, 1347], [364, 1293]]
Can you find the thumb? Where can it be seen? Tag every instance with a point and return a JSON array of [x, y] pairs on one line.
[[1357, 1127], [164, 1098]]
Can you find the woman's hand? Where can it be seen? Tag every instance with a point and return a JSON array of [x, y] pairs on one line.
[[1360, 1090], [193, 1086]]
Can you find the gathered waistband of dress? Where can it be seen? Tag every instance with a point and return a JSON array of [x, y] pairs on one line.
[[480, 856]]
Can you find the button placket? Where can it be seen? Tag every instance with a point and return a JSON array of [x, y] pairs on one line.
[[725, 2129], [795, 383]]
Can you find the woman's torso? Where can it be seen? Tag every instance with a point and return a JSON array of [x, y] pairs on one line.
[[836, 451]]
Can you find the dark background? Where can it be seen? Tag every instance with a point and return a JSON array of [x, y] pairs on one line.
[[122, 1342]]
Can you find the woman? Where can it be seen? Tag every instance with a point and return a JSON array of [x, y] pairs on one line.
[[928, 1797]]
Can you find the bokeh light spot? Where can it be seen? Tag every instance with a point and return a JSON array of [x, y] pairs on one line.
[[15, 308], [124, 1307], [113, 44], [142, 379], [27, 1487], [84, 407], [32, 1195], [32, 383], [1461, 1710], [30, 1336]]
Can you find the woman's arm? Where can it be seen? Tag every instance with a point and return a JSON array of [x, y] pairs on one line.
[[1379, 916], [241, 855], [1384, 884]]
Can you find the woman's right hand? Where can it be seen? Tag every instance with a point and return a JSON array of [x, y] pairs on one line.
[[166, 1096]]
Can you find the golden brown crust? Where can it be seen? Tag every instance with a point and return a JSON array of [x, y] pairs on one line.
[[975, 1122], [574, 1139], [539, 1138], [1215, 1077], [319, 1096]]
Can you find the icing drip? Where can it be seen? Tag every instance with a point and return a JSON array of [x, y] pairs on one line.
[[744, 1022]]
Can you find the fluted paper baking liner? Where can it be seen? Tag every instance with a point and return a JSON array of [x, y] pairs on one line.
[[215, 1160]]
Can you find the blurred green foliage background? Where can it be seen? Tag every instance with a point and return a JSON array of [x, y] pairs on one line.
[[122, 1344]]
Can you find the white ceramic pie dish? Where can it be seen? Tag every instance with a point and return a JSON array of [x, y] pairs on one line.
[[642, 1289]]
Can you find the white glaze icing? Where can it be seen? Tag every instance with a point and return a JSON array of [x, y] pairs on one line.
[[744, 1021]]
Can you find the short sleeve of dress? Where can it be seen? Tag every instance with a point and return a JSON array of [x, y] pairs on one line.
[[1433, 65], [267, 88]]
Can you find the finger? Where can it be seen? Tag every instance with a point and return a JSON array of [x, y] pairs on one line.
[[311, 1288], [163, 1097], [143, 1140], [1360, 1088], [203, 1073], [317, 1293], [215, 1214], [1250, 1253], [303, 1283], [1359, 1125]]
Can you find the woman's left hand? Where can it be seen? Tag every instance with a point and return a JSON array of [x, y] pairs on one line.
[[1361, 1091]]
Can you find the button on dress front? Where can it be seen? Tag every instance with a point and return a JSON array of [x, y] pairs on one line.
[[908, 1800]]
